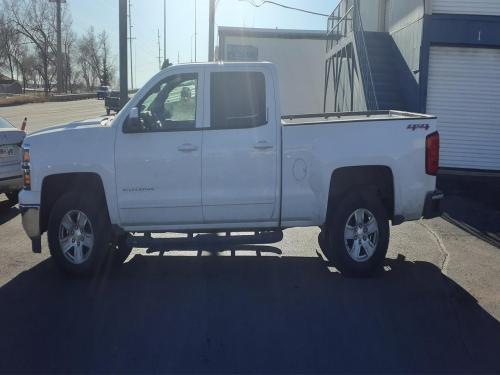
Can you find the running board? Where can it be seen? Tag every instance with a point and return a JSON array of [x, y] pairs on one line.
[[258, 238]]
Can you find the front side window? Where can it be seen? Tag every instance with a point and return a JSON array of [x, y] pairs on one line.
[[238, 100], [170, 105]]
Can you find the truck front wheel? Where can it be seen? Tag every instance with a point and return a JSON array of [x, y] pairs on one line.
[[78, 233], [357, 237]]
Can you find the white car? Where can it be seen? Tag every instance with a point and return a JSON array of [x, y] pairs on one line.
[[204, 148], [11, 179]]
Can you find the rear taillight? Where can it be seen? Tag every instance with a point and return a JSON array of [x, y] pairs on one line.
[[26, 165], [432, 154]]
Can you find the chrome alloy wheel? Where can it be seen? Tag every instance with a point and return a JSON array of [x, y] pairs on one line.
[[361, 235], [76, 236]]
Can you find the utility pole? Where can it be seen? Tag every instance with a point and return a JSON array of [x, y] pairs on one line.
[[130, 44], [164, 30], [159, 51], [195, 36], [211, 21], [122, 17], [192, 36], [59, 58]]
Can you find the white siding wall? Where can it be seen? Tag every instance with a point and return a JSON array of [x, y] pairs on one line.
[[301, 70], [401, 13], [464, 92], [405, 23], [370, 15], [477, 7]]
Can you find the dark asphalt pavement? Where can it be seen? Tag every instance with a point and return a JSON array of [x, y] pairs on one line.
[[243, 314]]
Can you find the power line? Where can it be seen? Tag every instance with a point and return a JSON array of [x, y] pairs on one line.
[[253, 3]]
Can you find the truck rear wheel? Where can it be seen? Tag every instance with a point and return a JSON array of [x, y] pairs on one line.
[[358, 234], [78, 233]]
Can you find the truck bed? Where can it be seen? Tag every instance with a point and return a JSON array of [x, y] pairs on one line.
[[319, 118]]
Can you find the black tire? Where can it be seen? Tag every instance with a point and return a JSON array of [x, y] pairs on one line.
[[101, 228], [337, 247], [13, 197], [323, 241]]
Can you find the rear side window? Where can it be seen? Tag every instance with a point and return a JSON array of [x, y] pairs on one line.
[[237, 100]]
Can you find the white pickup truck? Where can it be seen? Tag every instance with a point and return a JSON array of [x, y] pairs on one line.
[[203, 148]]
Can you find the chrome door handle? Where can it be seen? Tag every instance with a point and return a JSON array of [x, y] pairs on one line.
[[262, 145], [187, 147]]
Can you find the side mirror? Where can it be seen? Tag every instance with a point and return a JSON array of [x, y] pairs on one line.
[[133, 123]]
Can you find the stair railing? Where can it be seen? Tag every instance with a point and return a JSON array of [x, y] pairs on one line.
[[339, 23], [365, 67]]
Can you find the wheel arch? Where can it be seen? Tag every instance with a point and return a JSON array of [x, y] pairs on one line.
[[56, 185], [376, 178]]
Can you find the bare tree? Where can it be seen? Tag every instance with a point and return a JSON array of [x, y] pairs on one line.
[[25, 66], [85, 49], [69, 42], [28, 47], [108, 67], [94, 59], [9, 43], [89, 58], [35, 20]]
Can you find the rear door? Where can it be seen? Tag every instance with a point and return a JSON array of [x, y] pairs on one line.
[[240, 149]]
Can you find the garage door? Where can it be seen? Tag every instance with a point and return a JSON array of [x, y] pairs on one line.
[[464, 92], [480, 7]]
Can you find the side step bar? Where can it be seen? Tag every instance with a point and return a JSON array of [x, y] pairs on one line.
[[209, 239]]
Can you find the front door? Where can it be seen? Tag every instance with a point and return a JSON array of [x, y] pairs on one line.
[[240, 149], [158, 157]]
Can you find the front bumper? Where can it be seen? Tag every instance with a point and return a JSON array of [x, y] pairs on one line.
[[432, 206], [31, 224]]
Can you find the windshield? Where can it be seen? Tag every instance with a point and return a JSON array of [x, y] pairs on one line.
[[4, 124]]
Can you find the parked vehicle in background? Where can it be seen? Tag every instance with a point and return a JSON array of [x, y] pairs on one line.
[[11, 181], [112, 102], [204, 148], [103, 92]]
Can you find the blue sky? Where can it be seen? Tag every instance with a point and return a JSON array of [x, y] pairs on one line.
[[147, 17]]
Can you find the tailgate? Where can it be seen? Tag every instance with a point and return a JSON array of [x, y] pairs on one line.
[[10, 146]]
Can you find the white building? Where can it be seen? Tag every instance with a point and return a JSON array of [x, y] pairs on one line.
[[298, 54], [433, 56]]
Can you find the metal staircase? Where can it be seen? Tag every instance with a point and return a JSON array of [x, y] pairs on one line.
[[360, 69]]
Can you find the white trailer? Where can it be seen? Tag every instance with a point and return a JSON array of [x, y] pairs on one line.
[[299, 56]]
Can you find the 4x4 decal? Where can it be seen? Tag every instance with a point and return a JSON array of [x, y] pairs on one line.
[[418, 126]]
